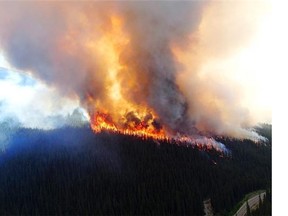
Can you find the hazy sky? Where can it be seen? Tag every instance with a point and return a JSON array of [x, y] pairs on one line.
[[246, 63], [30, 102]]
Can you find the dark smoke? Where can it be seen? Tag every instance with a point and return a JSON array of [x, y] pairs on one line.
[[53, 41]]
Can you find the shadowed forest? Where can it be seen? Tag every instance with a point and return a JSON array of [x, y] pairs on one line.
[[72, 171]]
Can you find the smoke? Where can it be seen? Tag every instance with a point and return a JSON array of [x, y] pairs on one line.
[[7, 129], [126, 57], [216, 100], [24, 102]]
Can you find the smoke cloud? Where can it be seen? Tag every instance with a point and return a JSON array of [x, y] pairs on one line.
[[137, 58], [24, 102]]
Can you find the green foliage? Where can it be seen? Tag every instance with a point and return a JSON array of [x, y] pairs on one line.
[[73, 171]]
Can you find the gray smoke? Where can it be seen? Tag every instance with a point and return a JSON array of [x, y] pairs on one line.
[[56, 41]]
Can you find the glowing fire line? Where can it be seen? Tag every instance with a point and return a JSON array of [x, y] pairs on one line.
[[116, 112], [103, 122]]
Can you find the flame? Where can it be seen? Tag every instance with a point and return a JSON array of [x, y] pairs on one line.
[[116, 112], [142, 128], [102, 121]]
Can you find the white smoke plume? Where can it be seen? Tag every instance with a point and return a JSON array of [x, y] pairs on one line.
[[161, 50]]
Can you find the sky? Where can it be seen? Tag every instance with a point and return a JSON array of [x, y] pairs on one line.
[[32, 104], [251, 66], [259, 66]]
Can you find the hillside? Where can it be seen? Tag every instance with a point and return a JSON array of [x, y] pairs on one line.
[[74, 171]]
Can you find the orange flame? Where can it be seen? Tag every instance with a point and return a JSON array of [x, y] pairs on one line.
[[120, 114], [141, 128], [115, 111]]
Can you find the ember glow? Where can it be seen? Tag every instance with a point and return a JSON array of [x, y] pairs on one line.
[[146, 128], [118, 113], [140, 68]]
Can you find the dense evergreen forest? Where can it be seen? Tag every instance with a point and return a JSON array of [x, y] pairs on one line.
[[72, 171]]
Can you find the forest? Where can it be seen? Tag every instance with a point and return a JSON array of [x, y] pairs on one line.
[[72, 171]]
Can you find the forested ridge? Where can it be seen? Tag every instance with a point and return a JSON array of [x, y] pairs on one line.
[[74, 171]]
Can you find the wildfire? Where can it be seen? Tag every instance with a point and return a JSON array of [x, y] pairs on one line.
[[101, 122], [130, 125], [148, 128], [117, 110], [119, 113]]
